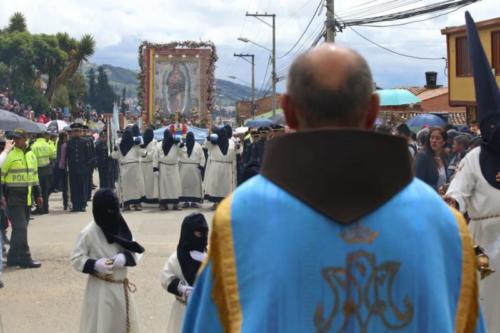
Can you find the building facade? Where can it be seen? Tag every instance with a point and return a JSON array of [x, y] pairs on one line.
[[460, 80]]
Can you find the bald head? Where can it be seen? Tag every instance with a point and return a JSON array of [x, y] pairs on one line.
[[330, 86]]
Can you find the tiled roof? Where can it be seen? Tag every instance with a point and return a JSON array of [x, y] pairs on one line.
[[454, 117], [425, 93]]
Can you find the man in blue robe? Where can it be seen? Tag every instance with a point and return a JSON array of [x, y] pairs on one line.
[[335, 234]]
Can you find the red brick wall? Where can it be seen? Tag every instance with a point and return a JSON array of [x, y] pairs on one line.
[[439, 103]]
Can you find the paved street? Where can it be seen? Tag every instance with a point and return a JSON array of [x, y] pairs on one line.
[[49, 299]]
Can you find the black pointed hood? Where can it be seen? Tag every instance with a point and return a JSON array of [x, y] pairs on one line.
[[168, 142], [223, 140], [135, 130], [106, 211], [148, 137], [190, 143], [127, 141], [188, 242], [488, 105]]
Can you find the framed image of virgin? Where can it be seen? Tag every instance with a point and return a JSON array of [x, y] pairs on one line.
[[177, 82]]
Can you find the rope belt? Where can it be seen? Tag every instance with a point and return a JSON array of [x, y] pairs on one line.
[[126, 163], [485, 218], [127, 287], [228, 162], [164, 163]]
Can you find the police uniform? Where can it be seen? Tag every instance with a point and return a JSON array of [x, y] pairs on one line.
[[20, 181], [104, 165], [44, 152], [78, 156], [91, 164]]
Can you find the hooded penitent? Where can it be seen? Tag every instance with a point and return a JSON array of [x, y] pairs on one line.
[[148, 137], [188, 242], [107, 215], [488, 105], [190, 143], [127, 141], [168, 142], [136, 131], [229, 131], [223, 140]]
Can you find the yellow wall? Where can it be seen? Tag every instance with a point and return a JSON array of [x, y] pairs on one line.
[[462, 88]]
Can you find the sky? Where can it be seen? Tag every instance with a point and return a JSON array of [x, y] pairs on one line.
[[119, 26]]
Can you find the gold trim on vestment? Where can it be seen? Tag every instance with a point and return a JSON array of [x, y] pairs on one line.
[[468, 307], [225, 291]]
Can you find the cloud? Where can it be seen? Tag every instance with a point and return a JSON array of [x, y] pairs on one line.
[[119, 26]]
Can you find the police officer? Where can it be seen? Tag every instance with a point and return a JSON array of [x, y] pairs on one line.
[[20, 181], [104, 162], [44, 153], [77, 155], [91, 162]]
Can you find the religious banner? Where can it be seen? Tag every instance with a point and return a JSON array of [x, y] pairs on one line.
[[177, 82]]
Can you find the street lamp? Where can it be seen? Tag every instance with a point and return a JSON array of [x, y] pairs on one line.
[[273, 58]]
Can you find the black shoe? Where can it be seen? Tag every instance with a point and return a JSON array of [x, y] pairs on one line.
[[194, 205], [1, 284], [30, 264], [82, 210], [185, 205], [37, 212]]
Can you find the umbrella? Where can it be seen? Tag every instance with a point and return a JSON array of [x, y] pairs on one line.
[[279, 119], [56, 125], [10, 121], [241, 130], [258, 122], [395, 97], [425, 120]]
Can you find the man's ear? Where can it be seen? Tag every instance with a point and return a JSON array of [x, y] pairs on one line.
[[290, 110], [372, 112]]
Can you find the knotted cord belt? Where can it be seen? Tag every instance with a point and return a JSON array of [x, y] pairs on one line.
[[484, 218], [127, 287]]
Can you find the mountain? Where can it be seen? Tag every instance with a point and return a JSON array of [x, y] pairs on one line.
[[228, 93]]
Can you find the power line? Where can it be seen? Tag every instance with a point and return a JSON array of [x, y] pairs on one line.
[[305, 30], [411, 22], [392, 51]]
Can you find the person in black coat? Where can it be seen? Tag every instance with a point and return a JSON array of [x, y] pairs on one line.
[[78, 159], [104, 162], [431, 165]]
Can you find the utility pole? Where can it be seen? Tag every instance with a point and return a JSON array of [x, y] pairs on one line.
[[252, 61], [330, 21], [273, 52]]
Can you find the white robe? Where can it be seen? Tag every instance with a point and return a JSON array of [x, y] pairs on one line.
[[169, 184], [481, 200], [150, 181], [171, 271], [104, 309], [131, 177], [220, 175], [190, 173]]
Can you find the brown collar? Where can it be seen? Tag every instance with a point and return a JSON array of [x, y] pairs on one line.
[[343, 174]]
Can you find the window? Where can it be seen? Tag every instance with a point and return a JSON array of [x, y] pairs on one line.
[[495, 51], [463, 59]]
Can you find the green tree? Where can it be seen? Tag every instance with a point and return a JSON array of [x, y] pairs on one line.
[[76, 89], [123, 105], [90, 96], [61, 97], [17, 23], [81, 53], [105, 95]]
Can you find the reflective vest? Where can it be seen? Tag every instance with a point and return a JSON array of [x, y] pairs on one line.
[[20, 170], [43, 151]]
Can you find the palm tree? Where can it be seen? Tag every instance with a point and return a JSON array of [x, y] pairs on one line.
[[17, 23], [78, 55]]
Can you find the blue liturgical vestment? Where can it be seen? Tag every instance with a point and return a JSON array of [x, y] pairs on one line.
[[283, 261]]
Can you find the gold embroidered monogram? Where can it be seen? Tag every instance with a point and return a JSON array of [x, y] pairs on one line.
[[362, 293], [358, 234]]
